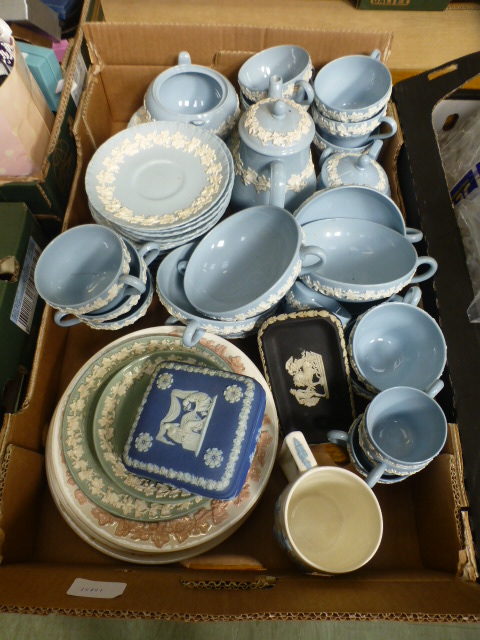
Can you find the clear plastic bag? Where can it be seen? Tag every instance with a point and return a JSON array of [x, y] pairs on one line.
[[460, 152]]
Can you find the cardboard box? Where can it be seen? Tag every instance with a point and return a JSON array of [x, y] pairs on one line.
[[21, 242], [424, 570], [46, 192]]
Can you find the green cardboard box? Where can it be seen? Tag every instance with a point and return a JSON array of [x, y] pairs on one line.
[[404, 5], [21, 242]]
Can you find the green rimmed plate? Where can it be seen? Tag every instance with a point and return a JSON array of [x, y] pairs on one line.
[[78, 426]]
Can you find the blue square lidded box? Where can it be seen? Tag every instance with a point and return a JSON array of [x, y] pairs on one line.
[[197, 429]]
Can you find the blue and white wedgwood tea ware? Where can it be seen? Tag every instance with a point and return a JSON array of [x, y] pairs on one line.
[[319, 515], [292, 63], [300, 298], [353, 88], [402, 430], [85, 269], [355, 201], [247, 263], [272, 155], [353, 168], [195, 94], [197, 429], [397, 344], [365, 260], [171, 293]]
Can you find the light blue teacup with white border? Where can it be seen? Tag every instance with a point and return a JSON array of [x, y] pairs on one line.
[[397, 344], [353, 88], [402, 430], [300, 298], [85, 269]]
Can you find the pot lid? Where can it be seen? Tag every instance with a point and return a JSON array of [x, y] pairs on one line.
[[354, 169], [276, 127]]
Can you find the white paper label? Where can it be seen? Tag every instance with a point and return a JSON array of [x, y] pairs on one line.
[[95, 589], [26, 296], [78, 79]]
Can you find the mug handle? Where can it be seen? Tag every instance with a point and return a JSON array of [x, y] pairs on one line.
[[413, 235], [60, 316], [149, 251], [192, 334], [182, 266], [308, 90], [184, 58], [278, 184], [295, 456], [134, 285], [376, 55], [310, 250], [383, 136], [171, 320], [433, 266]]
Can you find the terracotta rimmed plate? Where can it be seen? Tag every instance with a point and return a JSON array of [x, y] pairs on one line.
[[180, 538]]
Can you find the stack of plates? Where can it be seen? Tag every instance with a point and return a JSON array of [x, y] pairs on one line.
[[117, 512], [165, 181]]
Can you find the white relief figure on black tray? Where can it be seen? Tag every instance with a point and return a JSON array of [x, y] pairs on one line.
[[309, 378]]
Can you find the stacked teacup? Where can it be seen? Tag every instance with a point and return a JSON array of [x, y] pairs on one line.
[[397, 353], [291, 63], [91, 275], [350, 103]]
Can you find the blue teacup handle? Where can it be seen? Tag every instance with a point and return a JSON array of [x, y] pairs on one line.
[[278, 184], [192, 334], [432, 268], [149, 251], [184, 58], [338, 437], [376, 54], [413, 235], [171, 320], [412, 297], [311, 250], [134, 285], [435, 388], [375, 474], [64, 319], [388, 134], [307, 90], [182, 267]]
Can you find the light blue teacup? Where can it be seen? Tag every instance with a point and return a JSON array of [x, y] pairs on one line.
[[139, 260], [353, 88], [292, 63], [247, 263], [402, 430], [397, 344], [85, 269]]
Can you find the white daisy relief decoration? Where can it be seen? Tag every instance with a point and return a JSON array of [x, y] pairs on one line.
[[213, 457], [164, 381], [143, 442], [233, 393]]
